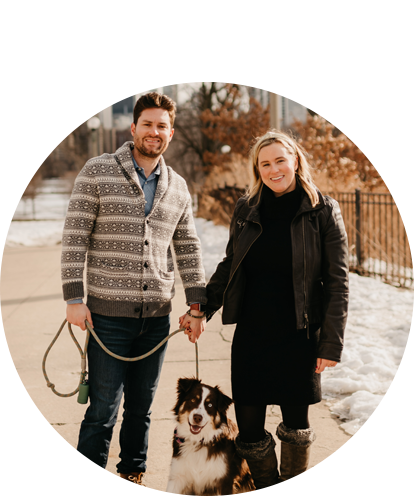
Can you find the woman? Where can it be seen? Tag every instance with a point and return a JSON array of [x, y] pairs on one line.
[[284, 281]]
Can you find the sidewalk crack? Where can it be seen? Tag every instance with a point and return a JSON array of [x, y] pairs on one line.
[[222, 336]]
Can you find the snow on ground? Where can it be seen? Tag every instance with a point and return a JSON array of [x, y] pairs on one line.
[[51, 201], [213, 241], [39, 221], [35, 233], [377, 329]]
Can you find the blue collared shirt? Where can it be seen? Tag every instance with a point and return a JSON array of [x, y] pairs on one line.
[[148, 184]]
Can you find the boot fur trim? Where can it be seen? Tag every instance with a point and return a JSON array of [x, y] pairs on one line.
[[296, 437], [255, 451]]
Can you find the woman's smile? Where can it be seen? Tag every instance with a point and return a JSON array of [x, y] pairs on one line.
[[277, 167]]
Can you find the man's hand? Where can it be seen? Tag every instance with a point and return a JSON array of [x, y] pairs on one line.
[[193, 327], [322, 363], [77, 313]]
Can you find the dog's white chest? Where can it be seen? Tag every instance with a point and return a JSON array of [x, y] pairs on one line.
[[193, 468]]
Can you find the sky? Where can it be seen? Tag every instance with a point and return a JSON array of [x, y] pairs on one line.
[[89, 93]]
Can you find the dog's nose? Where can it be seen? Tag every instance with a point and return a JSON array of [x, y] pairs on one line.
[[197, 418]]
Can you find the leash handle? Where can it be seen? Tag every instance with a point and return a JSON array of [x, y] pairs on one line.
[[83, 362]]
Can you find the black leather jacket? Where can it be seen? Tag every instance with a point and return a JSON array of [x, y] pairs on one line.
[[320, 270]]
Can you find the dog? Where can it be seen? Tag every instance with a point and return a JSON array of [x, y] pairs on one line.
[[204, 457]]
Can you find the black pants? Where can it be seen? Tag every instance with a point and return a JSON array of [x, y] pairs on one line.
[[251, 420]]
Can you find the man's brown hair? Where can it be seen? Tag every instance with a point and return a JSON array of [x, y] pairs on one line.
[[155, 100]]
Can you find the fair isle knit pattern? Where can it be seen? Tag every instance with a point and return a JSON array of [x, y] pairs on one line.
[[130, 270]]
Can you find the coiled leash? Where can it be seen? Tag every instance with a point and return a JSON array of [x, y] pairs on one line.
[[83, 386]]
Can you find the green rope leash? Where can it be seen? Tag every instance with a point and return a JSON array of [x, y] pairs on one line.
[[83, 374]]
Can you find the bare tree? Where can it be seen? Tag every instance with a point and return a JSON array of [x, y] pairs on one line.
[[214, 127]]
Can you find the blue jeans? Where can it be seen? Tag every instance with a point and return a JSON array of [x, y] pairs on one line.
[[110, 377]]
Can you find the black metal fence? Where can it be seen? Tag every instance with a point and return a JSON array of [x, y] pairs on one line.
[[378, 244]]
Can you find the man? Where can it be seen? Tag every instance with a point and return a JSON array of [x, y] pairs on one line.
[[126, 211]]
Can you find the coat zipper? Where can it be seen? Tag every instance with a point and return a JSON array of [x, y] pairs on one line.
[[304, 277]]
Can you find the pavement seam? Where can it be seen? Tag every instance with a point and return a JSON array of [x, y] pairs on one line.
[[223, 338], [27, 299]]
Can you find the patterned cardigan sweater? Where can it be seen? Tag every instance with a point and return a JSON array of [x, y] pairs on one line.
[[130, 270]]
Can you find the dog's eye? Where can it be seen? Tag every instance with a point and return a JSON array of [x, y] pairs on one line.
[[209, 405]]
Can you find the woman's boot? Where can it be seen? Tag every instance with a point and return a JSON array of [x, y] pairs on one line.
[[261, 458], [295, 450]]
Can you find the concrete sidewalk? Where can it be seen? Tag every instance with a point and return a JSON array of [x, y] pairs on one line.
[[33, 310]]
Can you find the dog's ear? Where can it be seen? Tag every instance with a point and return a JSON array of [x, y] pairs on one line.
[[223, 402], [184, 384]]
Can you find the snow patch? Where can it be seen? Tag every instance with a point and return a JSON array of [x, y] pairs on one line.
[[213, 242], [35, 233]]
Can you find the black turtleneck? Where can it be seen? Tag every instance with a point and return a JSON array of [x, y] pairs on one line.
[[269, 298]]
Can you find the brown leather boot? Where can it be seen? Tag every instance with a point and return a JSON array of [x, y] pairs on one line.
[[295, 450], [131, 484]]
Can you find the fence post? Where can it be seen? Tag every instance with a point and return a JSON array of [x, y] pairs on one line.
[[358, 227]]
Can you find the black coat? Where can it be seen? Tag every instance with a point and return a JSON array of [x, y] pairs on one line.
[[320, 269]]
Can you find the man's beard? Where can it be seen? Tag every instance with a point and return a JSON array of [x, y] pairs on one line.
[[140, 147]]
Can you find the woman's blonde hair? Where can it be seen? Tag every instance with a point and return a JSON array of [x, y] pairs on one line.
[[293, 147]]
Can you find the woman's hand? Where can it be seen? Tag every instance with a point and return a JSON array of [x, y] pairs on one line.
[[193, 327], [322, 363]]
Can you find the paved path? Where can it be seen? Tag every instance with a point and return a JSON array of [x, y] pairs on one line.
[[33, 310]]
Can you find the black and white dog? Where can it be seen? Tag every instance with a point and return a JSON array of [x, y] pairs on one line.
[[204, 458]]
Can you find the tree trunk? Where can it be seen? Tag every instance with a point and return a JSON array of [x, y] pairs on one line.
[[410, 127], [313, 107]]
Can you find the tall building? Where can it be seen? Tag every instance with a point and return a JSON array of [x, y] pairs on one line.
[[106, 133], [171, 90], [260, 92], [122, 96], [104, 107], [295, 108], [283, 105]]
